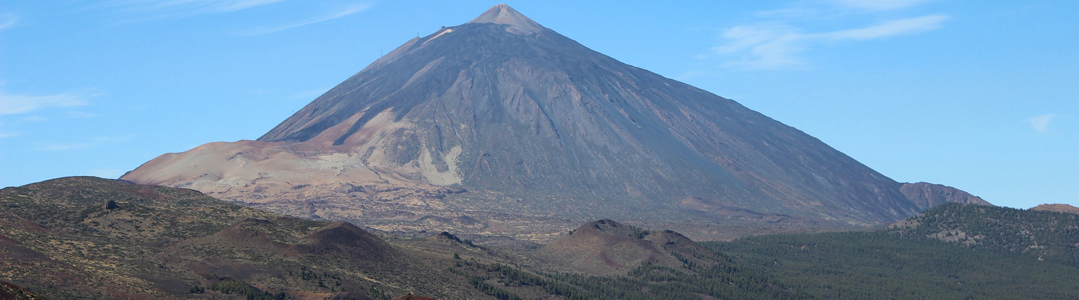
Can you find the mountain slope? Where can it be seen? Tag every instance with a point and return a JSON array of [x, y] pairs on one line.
[[928, 195], [506, 122], [534, 110]]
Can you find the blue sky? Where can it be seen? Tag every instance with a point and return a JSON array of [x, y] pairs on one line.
[[980, 95]]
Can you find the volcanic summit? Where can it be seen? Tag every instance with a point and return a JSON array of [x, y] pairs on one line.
[[500, 124]]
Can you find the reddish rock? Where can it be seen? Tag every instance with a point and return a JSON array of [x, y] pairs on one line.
[[1064, 208]]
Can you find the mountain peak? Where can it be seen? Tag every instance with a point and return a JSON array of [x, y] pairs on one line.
[[506, 15]]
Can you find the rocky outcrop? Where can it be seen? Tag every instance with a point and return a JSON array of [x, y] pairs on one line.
[[927, 195]]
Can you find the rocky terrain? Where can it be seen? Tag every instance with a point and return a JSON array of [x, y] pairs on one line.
[[927, 195], [87, 237]]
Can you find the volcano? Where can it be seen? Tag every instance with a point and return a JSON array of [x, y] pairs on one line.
[[500, 124]]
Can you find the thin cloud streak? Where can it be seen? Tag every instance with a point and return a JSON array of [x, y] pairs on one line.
[[773, 46], [231, 6], [889, 28], [879, 4], [344, 12], [20, 104], [7, 20], [63, 147], [93, 142], [146, 10], [189, 6], [1041, 123]]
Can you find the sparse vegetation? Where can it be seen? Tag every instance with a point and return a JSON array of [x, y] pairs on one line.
[[918, 260], [215, 249]]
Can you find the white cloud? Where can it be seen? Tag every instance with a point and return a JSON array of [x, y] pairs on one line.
[[762, 46], [778, 39], [91, 143], [770, 46], [235, 5], [188, 6], [19, 104], [62, 146], [774, 46], [340, 13], [7, 20], [879, 4], [889, 28], [1041, 123]]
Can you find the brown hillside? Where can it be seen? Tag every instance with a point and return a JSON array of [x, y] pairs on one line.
[[85, 237], [928, 195], [607, 247], [1064, 208]]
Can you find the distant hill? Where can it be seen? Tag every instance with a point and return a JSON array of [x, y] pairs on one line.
[[882, 265], [1046, 235], [927, 195], [90, 237], [608, 247], [1064, 208], [953, 251]]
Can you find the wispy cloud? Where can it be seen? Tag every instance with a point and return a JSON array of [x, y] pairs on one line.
[[879, 4], [19, 104], [762, 46], [187, 7], [889, 28], [336, 14], [7, 20], [6, 133], [1041, 123], [776, 41], [62, 146], [85, 144]]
